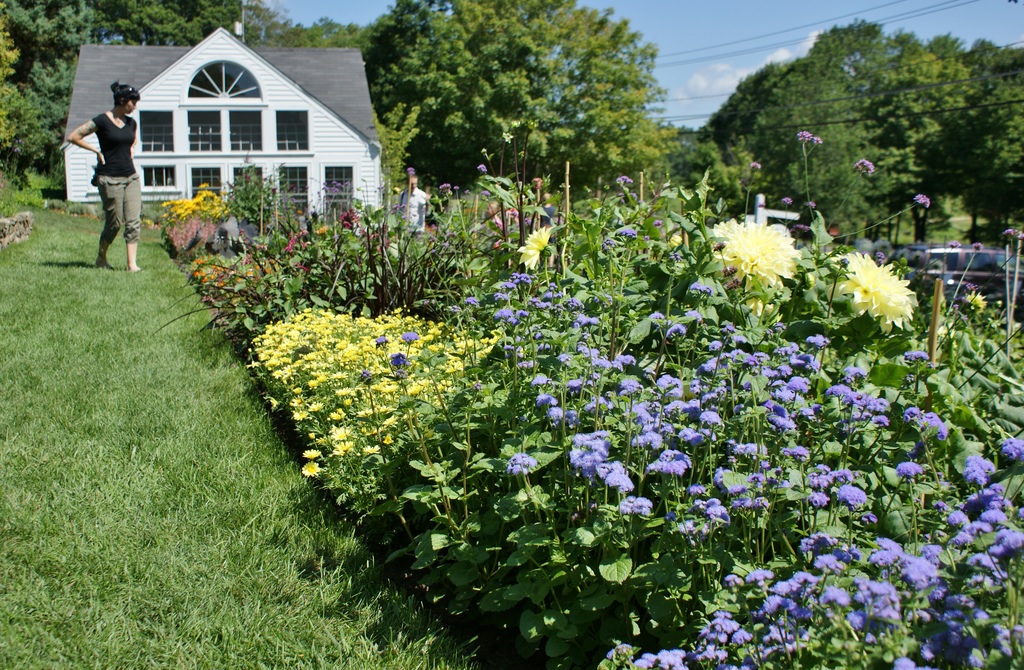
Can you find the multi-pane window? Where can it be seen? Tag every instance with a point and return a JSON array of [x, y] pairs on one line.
[[157, 131], [159, 175], [205, 178], [337, 190], [204, 131], [246, 130], [293, 131], [223, 80], [294, 182]]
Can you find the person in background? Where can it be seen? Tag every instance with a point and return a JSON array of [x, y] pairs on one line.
[[116, 178], [413, 203]]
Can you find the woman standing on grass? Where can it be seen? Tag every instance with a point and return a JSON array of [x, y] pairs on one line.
[[118, 182]]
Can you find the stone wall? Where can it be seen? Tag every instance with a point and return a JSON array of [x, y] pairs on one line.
[[15, 229]]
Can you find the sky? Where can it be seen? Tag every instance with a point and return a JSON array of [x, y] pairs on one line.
[[706, 48]]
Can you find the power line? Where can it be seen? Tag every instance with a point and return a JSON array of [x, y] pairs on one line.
[[875, 94], [889, 68], [782, 32], [949, 4], [890, 116]]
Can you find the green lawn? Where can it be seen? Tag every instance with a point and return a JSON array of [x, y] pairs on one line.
[[149, 514]]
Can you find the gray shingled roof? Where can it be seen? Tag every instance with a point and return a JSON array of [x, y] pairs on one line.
[[335, 77]]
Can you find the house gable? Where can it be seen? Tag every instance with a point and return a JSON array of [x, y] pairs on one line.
[[323, 90]]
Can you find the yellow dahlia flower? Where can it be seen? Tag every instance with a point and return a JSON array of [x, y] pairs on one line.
[[535, 243], [757, 251], [879, 292], [976, 301]]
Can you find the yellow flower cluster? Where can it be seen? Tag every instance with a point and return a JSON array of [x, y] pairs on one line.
[[758, 252], [336, 374], [206, 206], [879, 292]]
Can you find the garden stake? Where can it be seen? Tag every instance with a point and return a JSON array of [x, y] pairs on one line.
[[566, 190], [641, 185], [933, 332]]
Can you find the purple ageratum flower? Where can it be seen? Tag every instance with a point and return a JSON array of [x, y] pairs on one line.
[[399, 360], [637, 505], [819, 341], [833, 595], [955, 245], [697, 287], [1013, 448], [547, 400], [627, 232], [787, 201], [381, 341], [628, 387], [977, 469], [672, 462], [624, 180], [614, 475], [759, 577], [675, 330], [923, 200], [521, 464], [410, 337], [864, 165], [472, 302], [918, 572], [811, 204], [851, 496], [916, 356], [909, 470], [410, 171], [540, 380], [482, 169], [818, 499], [797, 453], [755, 165]]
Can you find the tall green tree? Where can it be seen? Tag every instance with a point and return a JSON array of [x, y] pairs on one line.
[[581, 81], [48, 34], [8, 56]]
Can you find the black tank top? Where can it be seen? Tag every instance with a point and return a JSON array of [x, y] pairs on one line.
[[116, 145]]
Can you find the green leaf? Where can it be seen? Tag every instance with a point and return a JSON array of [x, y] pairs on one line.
[[531, 625], [439, 541], [555, 647], [640, 331], [890, 375], [616, 570], [581, 537], [821, 236]]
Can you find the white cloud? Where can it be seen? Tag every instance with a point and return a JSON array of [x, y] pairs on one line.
[[720, 78]]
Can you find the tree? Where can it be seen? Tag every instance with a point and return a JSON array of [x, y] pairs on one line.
[[8, 56], [48, 34], [580, 80]]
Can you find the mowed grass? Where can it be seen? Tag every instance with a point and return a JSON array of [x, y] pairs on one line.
[[149, 515]]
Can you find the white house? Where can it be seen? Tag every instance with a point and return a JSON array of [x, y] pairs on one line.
[[209, 111]]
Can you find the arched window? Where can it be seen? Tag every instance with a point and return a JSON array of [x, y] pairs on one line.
[[223, 80]]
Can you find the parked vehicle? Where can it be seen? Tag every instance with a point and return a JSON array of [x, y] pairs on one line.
[[963, 269]]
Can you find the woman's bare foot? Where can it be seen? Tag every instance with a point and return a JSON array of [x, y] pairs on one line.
[[135, 269], [102, 263]]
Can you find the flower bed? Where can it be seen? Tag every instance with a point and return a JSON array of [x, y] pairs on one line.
[[689, 446]]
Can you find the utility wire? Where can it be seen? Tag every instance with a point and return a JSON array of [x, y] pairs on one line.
[[782, 32], [871, 118], [886, 68], [949, 4], [876, 94]]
